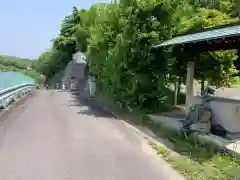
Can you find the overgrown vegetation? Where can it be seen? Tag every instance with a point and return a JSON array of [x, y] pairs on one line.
[[198, 163], [12, 63], [117, 38], [192, 159], [16, 62]]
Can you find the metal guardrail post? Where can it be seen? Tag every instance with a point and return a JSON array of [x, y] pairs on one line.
[[9, 95]]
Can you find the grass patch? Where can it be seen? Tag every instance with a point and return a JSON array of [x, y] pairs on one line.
[[195, 161], [236, 86], [236, 83], [191, 159]]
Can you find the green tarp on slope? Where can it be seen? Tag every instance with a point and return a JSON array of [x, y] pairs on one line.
[[8, 79]]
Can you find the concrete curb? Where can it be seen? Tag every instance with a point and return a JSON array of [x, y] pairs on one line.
[[209, 140], [143, 131]]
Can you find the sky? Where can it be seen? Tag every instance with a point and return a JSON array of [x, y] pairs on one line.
[[28, 26]]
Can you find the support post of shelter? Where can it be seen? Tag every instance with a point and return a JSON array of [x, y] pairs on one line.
[[189, 83]]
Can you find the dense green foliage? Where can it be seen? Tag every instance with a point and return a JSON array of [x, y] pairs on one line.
[[117, 38], [12, 63], [16, 62]]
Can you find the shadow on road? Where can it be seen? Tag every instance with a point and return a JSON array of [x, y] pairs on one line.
[[89, 106], [178, 144]]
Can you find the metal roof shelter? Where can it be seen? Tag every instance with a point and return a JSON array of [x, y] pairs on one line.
[[209, 39]]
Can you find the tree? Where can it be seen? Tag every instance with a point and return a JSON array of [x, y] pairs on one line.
[[117, 37], [208, 18], [64, 46], [43, 63], [236, 8]]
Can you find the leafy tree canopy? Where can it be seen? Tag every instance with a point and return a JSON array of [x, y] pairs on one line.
[[117, 38]]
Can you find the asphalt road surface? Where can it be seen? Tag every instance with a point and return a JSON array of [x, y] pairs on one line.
[[55, 136]]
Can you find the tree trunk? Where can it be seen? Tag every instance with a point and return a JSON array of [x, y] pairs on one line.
[[175, 93], [202, 84], [179, 84]]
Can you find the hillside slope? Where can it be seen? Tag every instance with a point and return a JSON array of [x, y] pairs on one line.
[[12, 63], [16, 62]]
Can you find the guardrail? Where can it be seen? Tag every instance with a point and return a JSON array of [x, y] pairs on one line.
[[14, 93]]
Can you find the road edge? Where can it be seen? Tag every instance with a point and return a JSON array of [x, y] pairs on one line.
[[4, 113]]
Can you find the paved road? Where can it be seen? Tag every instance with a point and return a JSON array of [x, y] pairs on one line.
[[53, 136]]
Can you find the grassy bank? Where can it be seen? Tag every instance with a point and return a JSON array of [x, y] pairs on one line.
[[193, 160]]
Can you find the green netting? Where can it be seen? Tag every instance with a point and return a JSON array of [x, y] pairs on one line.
[[9, 79]]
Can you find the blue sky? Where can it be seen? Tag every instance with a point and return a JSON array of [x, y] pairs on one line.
[[27, 26]]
